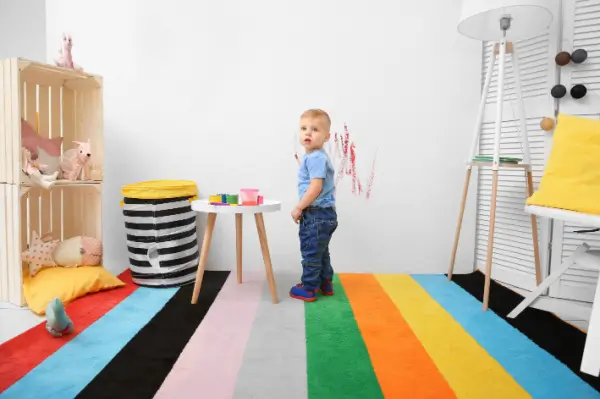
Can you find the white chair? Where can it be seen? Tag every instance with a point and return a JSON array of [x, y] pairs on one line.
[[584, 257]]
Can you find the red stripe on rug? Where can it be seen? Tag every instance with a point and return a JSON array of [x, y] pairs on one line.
[[25, 351]]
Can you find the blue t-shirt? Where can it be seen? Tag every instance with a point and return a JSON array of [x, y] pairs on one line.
[[316, 165]]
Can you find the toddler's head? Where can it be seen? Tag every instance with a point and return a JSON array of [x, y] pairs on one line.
[[314, 129]]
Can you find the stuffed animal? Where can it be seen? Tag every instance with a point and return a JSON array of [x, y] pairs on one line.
[[73, 252], [34, 169], [65, 56], [75, 160], [58, 322], [78, 251]]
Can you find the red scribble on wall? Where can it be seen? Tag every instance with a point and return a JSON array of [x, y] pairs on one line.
[[344, 149], [348, 163], [371, 177]]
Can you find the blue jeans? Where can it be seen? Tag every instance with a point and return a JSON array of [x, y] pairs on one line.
[[316, 228]]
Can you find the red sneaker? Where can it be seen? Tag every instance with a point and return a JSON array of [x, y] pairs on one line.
[[326, 288]]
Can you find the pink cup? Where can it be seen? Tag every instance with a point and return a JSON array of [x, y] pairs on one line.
[[249, 196]]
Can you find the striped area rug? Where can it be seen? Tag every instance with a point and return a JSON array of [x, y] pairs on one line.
[[379, 336]]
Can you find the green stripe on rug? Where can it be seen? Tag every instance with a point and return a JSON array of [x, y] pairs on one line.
[[338, 364]]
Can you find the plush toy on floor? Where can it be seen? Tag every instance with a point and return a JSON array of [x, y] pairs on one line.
[[58, 323]]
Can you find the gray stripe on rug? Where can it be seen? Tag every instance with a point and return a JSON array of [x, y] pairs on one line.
[[274, 364]]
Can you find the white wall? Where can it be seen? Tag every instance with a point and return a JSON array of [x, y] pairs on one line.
[[23, 29], [211, 91]]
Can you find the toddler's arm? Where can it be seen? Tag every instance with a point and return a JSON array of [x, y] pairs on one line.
[[311, 194]]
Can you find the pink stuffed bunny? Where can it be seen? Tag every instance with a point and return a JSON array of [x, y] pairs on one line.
[[65, 57], [75, 160]]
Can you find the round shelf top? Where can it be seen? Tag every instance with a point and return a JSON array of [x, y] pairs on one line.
[[204, 206]]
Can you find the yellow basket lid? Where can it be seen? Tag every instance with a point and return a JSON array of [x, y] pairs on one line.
[[158, 189]]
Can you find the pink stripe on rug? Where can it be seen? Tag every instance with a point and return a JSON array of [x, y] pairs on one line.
[[209, 364]]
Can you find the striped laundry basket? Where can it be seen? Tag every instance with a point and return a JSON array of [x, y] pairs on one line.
[[161, 232]]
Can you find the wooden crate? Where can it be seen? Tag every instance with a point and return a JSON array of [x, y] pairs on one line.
[[58, 102]]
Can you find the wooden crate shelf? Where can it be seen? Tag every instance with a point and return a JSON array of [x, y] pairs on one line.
[[56, 102], [68, 184]]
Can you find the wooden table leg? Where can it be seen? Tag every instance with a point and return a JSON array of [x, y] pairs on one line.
[[490, 246], [238, 245], [264, 246], [534, 233], [459, 225], [210, 226]]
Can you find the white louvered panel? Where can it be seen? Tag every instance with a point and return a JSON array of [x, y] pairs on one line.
[[586, 35], [534, 67], [513, 257], [581, 30]]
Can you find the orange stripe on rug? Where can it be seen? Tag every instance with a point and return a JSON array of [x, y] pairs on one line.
[[24, 352], [403, 367]]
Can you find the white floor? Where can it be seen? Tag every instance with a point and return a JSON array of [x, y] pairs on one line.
[[15, 320]]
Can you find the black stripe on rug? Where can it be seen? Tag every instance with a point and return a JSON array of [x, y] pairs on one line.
[[144, 283], [562, 340], [141, 367]]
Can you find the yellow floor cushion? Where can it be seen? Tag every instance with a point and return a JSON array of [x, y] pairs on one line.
[[572, 177], [66, 284]]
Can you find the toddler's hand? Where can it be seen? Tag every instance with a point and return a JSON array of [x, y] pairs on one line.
[[296, 215]]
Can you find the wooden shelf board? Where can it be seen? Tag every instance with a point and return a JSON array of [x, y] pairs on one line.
[[50, 74], [502, 165], [68, 183]]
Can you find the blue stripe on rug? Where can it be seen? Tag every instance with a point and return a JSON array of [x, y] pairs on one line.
[[72, 367], [538, 372]]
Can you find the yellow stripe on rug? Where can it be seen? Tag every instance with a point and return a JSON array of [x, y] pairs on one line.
[[466, 366], [395, 352]]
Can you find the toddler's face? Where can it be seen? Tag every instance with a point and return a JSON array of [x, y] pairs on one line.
[[313, 133]]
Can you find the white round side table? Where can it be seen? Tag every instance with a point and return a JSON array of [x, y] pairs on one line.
[[212, 210]]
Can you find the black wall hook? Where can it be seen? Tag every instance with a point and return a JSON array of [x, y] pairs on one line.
[[558, 91], [579, 56], [577, 91]]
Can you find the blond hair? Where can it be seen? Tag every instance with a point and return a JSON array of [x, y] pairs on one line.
[[317, 113]]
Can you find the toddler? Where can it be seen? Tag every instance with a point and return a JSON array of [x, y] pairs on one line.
[[315, 212]]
